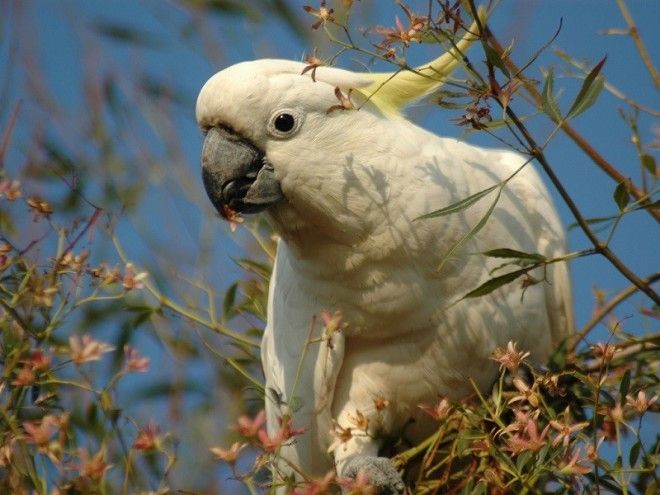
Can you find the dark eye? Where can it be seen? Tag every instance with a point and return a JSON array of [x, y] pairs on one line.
[[284, 122]]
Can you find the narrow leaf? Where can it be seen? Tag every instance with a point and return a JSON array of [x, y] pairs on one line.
[[522, 460], [495, 283], [473, 231], [255, 267], [548, 101], [648, 162], [495, 60], [591, 88], [229, 301], [125, 34], [634, 453], [594, 221], [460, 205], [512, 253], [295, 404], [622, 194], [624, 387]]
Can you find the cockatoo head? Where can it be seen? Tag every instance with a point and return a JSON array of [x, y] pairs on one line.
[[266, 124], [281, 136]]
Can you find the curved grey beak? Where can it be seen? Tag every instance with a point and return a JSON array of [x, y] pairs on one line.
[[237, 176]]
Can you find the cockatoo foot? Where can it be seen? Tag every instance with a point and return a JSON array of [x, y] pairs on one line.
[[380, 472]]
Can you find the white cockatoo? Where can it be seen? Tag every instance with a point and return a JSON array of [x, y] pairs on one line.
[[345, 189]]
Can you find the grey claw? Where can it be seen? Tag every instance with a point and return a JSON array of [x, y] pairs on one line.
[[381, 473]]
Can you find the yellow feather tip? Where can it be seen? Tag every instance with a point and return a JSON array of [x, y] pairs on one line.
[[391, 92]]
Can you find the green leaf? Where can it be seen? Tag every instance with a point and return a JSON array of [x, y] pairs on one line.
[[625, 386], [618, 464], [295, 404], [494, 283], [497, 123], [473, 231], [230, 7], [634, 453], [602, 221], [591, 87], [260, 269], [125, 34], [648, 162], [653, 206], [610, 483], [523, 459], [480, 489], [512, 253], [229, 301], [622, 194], [495, 60], [548, 101], [460, 205]]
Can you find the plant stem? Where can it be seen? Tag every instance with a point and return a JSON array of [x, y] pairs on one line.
[[607, 308], [600, 247], [641, 47], [577, 138], [537, 152]]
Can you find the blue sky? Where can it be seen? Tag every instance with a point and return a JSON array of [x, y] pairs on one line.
[[62, 39]]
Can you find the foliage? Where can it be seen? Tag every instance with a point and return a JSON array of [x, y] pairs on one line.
[[78, 318]]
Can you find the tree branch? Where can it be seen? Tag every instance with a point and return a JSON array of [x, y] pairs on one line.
[[604, 310], [577, 138]]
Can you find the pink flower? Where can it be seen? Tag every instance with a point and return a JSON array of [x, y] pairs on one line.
[[249, 428], [439, 411], [333, 322], [323, 14], [576, 465], [640, 403], [148, 438], [229, 455], [286, 425], [565, 431], [41, 432], [132, 280], [286, 432], [24, 376], [509, 358], [10, 189], [605, 351], [93, 467], [233, 217], [134, 362], [527, 393], [87, 349], [319, 486], [360, 485], [527, 435], [40, 207], [406, 35], [271, 444]]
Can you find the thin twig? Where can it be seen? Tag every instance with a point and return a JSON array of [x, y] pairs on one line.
[[577, 138], [605, 309], [600, 247], [90, 223], [641, 47], [608, 86], [6, 135], [536, 151], [597, 363]]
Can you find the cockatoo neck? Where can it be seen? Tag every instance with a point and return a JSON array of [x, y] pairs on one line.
[[324, 239]]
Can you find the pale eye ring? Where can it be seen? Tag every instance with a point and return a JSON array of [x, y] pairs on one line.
[[284, 123]]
